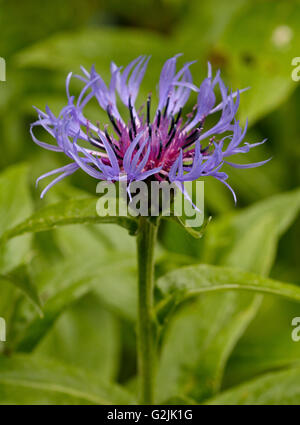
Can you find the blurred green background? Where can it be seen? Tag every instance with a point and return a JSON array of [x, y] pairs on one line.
[[253, 43]]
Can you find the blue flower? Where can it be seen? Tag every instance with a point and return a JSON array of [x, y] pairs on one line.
[[167, 147]]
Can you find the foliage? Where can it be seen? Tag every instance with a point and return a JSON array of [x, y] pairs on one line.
[[68, 283]]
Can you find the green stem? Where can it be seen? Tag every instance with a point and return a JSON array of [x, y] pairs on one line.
[[146, 345]]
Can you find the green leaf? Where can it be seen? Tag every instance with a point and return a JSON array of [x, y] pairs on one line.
[[66, 284], [271, 389], [192, 281], [260, 57], [20, 279], [186, 283], [16, 28], [207, 331], [210, 327], [267, 345], [72, 49], [15, 201], [26, 380], [249, 239], [263, 60], [107, 252], [15, 205], [86, 336], [213, 17], [74, 260], [196, 232], [67, 212], [85, 241], [184, 214]]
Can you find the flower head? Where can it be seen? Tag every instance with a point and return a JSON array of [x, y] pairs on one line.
[[166, 146]]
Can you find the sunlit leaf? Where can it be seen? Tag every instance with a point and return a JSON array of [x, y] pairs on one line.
[[15, 205], [59, 293], [188, 282], [24, 380], [87, 336], [67, 212], [20, 279], [272, 389], [211, 326]]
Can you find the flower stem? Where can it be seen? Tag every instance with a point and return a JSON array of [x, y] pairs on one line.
[[146, 344]]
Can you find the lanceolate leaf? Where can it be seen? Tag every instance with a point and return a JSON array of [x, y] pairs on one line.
[[19, 278], [15, 206], [27, 380], [196, 232], [210, 327], [85, 336], [191, 281], [59, 294], [248, 239], [271, 389], [97, 258], [67, 212]]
